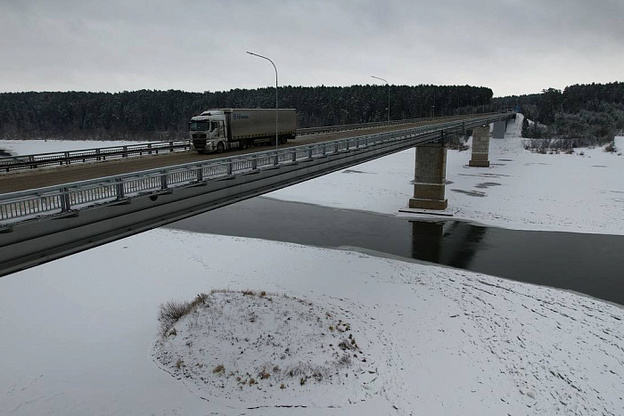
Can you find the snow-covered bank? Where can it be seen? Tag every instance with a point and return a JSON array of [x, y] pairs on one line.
[[29, 147], [77, 334], [521, 190]]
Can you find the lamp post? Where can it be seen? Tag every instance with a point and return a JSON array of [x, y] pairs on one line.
[[373, 76], [276, 107]]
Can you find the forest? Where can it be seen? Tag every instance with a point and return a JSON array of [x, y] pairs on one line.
[[579, 115], [164, 115]]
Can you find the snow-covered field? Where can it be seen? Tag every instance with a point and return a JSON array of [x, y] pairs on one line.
[[29, 147], [80, 335]]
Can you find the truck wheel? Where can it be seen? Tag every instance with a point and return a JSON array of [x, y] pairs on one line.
[[220, 147]]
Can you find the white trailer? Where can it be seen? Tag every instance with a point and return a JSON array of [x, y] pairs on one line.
[[222, 129]]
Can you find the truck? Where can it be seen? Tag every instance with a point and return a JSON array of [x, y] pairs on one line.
[[222, 129]]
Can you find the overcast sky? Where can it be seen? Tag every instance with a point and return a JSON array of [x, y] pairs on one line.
[[511, 46]]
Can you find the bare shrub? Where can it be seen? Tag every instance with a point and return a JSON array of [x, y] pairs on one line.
[[199, 300], [172, 311]]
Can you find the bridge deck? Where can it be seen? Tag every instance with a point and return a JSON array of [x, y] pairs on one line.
[[50, 176]]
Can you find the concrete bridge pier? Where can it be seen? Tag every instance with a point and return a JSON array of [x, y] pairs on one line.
[[480, 147], [500, 127], [430, 176]]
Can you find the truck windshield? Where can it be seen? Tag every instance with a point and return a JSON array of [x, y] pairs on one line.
[[203, 125]]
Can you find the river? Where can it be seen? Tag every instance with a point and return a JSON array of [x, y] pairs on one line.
[[585, 263]]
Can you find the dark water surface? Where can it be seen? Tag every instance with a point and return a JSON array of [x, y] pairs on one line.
[[586, 263]]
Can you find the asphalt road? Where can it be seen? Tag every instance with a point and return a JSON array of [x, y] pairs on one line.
[[50, 176]]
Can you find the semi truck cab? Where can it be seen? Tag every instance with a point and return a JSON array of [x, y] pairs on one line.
[[208, 132]]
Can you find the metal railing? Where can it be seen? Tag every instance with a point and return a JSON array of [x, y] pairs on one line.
[[69, 198], [8, 163], [346, 127]]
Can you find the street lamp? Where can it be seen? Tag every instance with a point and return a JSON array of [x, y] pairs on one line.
[[276, 107], [373, 76]]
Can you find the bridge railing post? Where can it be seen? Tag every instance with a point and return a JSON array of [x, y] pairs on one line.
[[65, 202], [229, 167], [119, 187], [163, 180]]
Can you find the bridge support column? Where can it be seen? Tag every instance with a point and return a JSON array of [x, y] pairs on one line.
[[480, 147], [500, 127], [430, 177]]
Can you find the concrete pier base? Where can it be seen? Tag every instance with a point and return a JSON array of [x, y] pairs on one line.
[[430, 177], [480, 147]]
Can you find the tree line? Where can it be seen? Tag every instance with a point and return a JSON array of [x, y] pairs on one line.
[[579, 113], [164, 115]]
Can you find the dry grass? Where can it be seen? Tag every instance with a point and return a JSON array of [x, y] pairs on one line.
[[172, 311]]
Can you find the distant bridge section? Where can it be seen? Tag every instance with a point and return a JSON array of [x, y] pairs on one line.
[[44, 224]]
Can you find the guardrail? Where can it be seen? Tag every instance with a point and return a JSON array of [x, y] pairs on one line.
[[8, 163], [345, 127], [33, 161], [67, 199]]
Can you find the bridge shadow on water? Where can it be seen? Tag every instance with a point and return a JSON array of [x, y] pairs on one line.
[[586, 263]]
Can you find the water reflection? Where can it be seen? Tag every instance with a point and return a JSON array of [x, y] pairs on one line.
[[451, 243]]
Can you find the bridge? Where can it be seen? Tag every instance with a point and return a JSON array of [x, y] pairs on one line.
[[55, 220]]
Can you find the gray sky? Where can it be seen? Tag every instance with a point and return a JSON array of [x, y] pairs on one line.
[[511, 46]]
